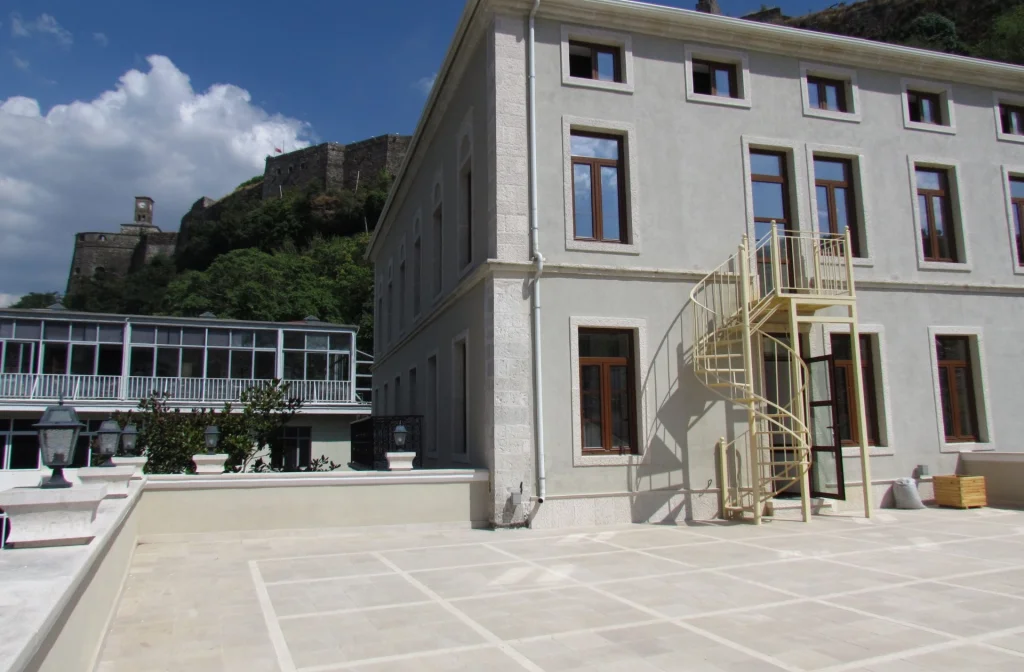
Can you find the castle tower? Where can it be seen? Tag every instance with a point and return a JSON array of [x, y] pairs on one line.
[[143, 211], [709, 6]]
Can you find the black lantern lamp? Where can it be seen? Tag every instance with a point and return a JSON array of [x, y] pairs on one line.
[[212, 436], [58, 435], [400, 434], [107, 437], [129, 436]]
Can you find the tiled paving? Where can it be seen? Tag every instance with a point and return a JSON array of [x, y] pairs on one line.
[[909, 591]]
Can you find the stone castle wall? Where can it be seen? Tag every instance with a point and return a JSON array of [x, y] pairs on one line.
[[329, 166]]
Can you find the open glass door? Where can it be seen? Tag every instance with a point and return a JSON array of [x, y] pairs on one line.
[[827, 479]]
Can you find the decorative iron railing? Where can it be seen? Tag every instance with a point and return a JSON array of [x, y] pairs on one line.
[[374, 437]]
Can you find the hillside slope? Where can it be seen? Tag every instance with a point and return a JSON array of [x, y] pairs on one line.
[[985, 28]]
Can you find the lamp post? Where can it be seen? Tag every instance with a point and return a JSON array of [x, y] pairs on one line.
[[212, 436], [107, 437], [58, 435], [129, 437], [400, 434]]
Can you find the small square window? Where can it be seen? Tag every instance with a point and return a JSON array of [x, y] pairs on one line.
[[827, 94], [595, 61], [1011, 119], [925, 108], [715, 79]]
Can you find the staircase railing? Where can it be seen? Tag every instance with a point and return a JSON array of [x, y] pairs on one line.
[[731, 308]]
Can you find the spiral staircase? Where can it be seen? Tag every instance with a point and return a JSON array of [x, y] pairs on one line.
[[749, 316]]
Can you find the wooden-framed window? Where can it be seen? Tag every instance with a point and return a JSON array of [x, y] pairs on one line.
[[1017, 206], [1011, 119], [438, 226], [417, 264], [466, 218], [836, 198], [712, 78], [956, 387], [936, 215], [390, 307], [607, 391], [433, 393], [848, 421], [770, 185], [599, 187], [400, 308], [827, 94], [595, 61], [925, 107], [460, 398]]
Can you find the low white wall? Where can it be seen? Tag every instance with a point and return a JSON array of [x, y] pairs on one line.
[[175, 504], [79, 607], [1004, 476]]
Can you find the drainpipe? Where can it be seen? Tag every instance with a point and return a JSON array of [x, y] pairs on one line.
[[538, 260]]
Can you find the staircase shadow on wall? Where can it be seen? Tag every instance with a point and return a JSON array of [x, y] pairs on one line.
[[676, 402]]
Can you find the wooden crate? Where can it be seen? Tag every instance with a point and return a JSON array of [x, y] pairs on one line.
[[962, 492]]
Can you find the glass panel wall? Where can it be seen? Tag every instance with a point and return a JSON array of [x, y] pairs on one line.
[[61, 347], [186, 352], [316, 355]]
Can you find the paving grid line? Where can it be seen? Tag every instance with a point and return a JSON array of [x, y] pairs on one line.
[[663, 618], [277, 640], [943, 580], [344, 577], [685, 626], [352, 610], [955, 640], [398, 657], [592, 534], [523, 661], [975, 640], [1012, 535], [721, 571]]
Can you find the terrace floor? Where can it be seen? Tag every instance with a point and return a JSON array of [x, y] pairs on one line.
[[908, 591]]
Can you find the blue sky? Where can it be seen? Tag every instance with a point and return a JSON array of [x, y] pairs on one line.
[[283, 73]]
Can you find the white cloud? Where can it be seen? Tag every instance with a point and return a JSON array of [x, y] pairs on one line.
[[18, 28], [20, 63], [45, 24], [101, 39], [78, 166], [425, 84], [7, 300]]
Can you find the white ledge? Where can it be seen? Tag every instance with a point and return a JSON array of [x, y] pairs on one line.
[[312, 479]]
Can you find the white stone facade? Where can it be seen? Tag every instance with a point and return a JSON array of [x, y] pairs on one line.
[[688, 203]]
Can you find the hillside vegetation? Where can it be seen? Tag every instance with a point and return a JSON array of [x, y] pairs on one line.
[[992, 29], [280, 259]]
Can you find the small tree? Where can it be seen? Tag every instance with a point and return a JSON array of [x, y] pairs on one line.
[[266, 409], [170, 437]]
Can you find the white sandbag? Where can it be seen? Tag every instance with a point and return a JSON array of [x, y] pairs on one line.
[[905, 492]]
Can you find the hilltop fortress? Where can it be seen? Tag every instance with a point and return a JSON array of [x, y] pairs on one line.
[[329, 166]]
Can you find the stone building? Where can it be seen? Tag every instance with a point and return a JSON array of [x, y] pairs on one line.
[[334, 165], [118, 253], [714, 209]]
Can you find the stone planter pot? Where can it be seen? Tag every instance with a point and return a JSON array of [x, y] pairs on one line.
[[207, 465], [401, 461], [115, 478], [137, 462]]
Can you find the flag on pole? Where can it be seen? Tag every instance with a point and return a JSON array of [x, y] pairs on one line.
[[277, 150]]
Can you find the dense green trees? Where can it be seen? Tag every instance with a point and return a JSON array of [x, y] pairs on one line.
[[281, 259], [37, 300]]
